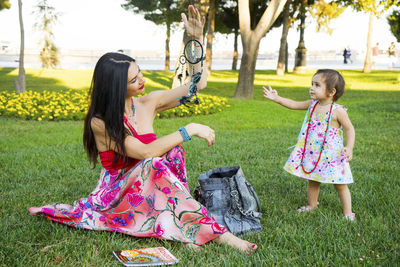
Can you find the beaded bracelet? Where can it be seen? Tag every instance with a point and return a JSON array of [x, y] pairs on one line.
[[186, 137]]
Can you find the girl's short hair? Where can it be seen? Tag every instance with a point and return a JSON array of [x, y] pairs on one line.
[[333, 80]]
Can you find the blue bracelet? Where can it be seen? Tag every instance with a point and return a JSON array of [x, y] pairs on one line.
[[186, 137]]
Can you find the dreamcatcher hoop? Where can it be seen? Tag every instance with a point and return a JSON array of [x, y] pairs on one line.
[[193, 51]]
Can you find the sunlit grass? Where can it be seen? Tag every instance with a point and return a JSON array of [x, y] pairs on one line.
[[44, 162]]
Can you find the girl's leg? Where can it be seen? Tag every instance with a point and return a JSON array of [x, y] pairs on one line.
[[235, 242], [313, 193], [345, 197]]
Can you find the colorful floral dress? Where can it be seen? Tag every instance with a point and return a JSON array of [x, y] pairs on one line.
[[147, 198], [332, 167]]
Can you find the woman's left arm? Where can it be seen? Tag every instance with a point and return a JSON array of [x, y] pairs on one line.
[[168, 99], [344, 120]]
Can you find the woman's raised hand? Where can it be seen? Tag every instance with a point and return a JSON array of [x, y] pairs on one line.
[[270, 93], [195, 23], [201, 131]]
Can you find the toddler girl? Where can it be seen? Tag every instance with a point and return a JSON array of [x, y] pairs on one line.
[[319, 155]]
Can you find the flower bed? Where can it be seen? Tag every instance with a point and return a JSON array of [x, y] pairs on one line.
[[208, 105], [72, 105]]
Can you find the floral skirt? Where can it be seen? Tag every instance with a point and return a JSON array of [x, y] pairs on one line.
[[152, 199]]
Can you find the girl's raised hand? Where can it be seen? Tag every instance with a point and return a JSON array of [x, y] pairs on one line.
[[195, 23], [270, 93]]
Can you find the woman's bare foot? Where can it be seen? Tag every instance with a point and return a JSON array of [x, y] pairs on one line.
[[34, 210], [235, 242], [192, 246]]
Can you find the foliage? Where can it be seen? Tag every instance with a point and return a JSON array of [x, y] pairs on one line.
[[394, 22], [47, 17], [44, 162], [227, 17], [4, 4], [164, 12], [376, 7], [323, 12]]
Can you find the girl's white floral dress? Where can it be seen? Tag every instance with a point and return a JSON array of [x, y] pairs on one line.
[[332, 167]]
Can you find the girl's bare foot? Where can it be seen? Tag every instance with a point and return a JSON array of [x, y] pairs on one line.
[[235, 242], [192, 246]]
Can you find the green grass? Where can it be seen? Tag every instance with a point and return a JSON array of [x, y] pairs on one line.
[[44, 162]]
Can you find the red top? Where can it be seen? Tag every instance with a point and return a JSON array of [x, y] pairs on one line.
[[107, 157]]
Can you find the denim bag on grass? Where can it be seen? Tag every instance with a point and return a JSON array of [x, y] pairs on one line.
[[230, 199]]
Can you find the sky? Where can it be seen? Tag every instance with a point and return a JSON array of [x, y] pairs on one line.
[[105, 25]]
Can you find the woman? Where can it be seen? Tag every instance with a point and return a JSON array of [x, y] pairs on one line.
[[142, 189]]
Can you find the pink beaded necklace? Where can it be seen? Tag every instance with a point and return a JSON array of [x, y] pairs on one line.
[[323, 143]]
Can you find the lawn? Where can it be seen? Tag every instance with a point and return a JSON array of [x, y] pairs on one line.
[[44, 162]]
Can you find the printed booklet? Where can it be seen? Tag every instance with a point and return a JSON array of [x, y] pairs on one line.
[[145, 257]]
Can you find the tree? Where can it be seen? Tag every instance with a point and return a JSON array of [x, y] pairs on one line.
[[160, 12], [283, 49], [374, 8], [4, 4], [47, 17], [227, 22], [323, 11], [251, 41], [210, 33], [19, 83], [394, 22]]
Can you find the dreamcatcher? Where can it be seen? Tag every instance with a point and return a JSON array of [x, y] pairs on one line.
[[193, 53]]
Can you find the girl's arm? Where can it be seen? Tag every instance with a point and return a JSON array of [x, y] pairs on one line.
[[138, 150], [286, 102], [344, 120]]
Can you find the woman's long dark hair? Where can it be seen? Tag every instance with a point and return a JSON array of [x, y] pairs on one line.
[[107, 102]]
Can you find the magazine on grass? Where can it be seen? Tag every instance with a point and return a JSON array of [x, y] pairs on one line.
[[145, 257]]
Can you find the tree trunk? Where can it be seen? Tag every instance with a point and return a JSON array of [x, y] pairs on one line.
[[19, 83], [287, 58], [244, 87], [210, 35], [367, 62], [251, 41], [282, 49], [300, 58], [167, 55], [235, 50]]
